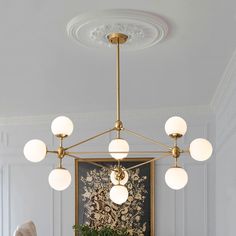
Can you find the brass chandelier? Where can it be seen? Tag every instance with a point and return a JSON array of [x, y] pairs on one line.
[[176, 177]]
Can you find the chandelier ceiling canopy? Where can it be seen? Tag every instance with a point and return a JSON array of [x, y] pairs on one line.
[[135, 29], [144, 29]]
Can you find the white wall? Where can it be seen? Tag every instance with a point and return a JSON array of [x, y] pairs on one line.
[[224, 105], [25, 194]]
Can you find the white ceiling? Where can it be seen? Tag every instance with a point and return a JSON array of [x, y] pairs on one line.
[[43, 72]]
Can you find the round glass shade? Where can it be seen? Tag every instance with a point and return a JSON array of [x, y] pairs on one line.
[[62, 126], [176, 178], [119, 194], [175, 125], [35, 150], [59, 179], [115, 181], [200, 149], [118, 145]]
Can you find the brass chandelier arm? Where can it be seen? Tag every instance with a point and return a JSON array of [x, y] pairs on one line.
[[147, 139], [130, 152], [130, 168], [186, 151], [149, 161], [54, 152], [86, 160], [91, 138]]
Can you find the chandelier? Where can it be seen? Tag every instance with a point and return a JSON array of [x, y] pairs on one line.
[[62, 127]]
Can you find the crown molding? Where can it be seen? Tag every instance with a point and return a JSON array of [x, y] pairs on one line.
[[224, 89], [223, 104]]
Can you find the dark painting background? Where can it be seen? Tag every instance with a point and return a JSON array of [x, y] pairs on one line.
[[82, 168]]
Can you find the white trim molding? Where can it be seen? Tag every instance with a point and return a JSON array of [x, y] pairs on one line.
[[224, 89]]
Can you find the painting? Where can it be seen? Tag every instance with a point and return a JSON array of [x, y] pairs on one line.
[[94, 207]]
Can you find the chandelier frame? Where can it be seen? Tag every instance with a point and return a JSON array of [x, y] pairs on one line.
[[174, 151], [176, 177]]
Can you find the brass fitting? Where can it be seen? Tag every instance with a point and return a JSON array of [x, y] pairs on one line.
[[118, 125], [115, 38], [175, 152], [61, 152], [120, 174]]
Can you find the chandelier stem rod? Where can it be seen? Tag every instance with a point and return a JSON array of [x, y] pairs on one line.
[[86, 140], [61, 141], [118, 84], [176, 162], [60, 163], [118, 162], [175, 141]]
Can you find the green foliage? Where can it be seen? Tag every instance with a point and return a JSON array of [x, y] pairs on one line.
[[85, 230]]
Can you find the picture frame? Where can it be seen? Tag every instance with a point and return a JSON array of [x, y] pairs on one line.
[[88, 186]]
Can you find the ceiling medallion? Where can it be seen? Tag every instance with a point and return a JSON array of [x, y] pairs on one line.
[[144, 29], [176, 177]]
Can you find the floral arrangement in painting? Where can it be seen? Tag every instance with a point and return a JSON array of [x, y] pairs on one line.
[[100, 211]]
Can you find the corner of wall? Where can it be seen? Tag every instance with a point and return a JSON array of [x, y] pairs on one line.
[[223, 105]]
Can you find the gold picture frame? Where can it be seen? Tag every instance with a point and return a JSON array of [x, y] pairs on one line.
[[150, 172]]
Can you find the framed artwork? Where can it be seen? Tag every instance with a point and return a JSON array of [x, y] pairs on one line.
[[94, 207]]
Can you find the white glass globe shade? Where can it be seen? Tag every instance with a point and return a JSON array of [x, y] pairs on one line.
[[35, 150], [62, 126], [200, 149], [118, 145], [175, 125], [59, 179], [176, 178], [115, 181], [119, 194]]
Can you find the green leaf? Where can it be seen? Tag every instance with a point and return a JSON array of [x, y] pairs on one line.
[[85, 230]]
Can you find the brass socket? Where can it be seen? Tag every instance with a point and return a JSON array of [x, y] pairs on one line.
[[176, 135], [61, 136]]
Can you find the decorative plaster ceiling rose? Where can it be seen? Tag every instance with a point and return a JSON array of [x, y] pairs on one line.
[[144, 29]]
